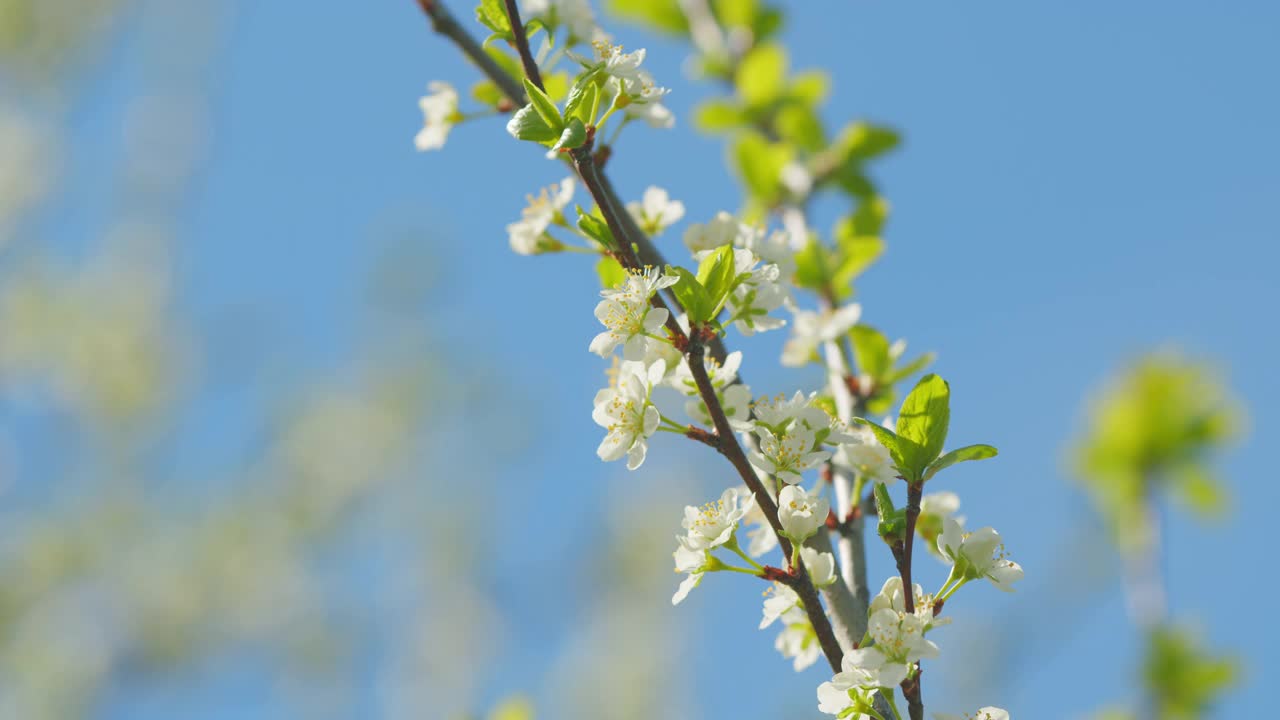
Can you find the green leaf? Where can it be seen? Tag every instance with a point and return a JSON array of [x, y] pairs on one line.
[[546, 109], [718, 114], [664, 15], [871, 351], [857, 252], [863, 141], [813, 266], [761, 74], [760, 164], [611, 272], [922, 423], [582, 93], [869, 218], [799, 124], [527, 124], [717, 276], [493, 15], [968, 452], [596, 229], [574, 135], [892, 523], [810, 87], [691, 294], [911, 368], [487, 93]]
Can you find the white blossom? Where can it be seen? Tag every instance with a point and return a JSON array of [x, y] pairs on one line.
[[986, 713], [865, 456], [735, 401], [778, 600], [801, 512], [576, 15], [979, 554], [788, 455], [935, 508], [656, 211], [796, 178], [798, 641], [713, 524], [626, 412], [629, 317], [891, 597], [761, 537], [900, 638], [781, 413], [440, 113], [721, 230], [809, 330], [862, 671], [528, 235], [690, 561], [756, 296], [721, 374], [820, 565], [651, 113]]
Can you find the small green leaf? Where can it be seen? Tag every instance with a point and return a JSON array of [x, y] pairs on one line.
[[691, 294], [856, 253], [527, 124], [492, 15], [574, 135], [718, 114], [582, 92], [863, 141], [868, 219], [968, 452], [870, 351], [892, 523], [800, 125], [546, 109], [923, 423], [760, 164], [920, 363], [487, 93], [813, 266], [595, 228], [761, 74], [611, 272], [664, 15], [717, 276], [536, 24]]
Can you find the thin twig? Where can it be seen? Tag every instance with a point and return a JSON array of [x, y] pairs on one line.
[[522, 45], [911, 689], [443, 22]]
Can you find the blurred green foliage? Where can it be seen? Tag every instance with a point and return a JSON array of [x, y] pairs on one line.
[[1180, 675], [1154, 430]]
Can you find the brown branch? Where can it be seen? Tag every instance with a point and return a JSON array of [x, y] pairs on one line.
[[522, 45], [911, 686], [443, 22]]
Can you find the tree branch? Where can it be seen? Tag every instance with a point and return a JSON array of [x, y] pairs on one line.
[[911, 686], [522, 45], [443, 22]]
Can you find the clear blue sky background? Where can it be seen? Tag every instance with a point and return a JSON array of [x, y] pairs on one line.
[[1080, 182]]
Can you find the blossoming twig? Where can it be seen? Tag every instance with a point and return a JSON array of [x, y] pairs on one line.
[[584, 163]]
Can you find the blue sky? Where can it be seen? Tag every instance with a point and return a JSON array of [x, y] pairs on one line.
[[1079, 183]]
